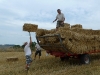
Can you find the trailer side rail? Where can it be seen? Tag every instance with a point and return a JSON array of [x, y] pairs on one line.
[[60, 45]]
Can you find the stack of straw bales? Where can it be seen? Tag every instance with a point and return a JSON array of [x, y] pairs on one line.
[[75, 38]]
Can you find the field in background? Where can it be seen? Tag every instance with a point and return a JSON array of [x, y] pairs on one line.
[[47, 65]]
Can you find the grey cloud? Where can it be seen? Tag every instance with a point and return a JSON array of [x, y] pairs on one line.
[[14, 13]]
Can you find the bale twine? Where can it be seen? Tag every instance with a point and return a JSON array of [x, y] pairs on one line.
[[30, 27]]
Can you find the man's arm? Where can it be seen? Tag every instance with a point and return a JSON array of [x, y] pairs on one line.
[[55, 20], [30, 39]]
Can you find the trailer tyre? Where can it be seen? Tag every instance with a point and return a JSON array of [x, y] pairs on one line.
[[85, 59]]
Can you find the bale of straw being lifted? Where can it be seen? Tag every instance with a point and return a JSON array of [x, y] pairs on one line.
[[30, 27]]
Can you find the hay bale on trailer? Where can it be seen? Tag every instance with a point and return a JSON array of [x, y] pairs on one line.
[[76, 26], [75, 38]]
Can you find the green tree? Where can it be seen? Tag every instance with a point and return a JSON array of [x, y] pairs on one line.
[[16, 46], [33, 45]]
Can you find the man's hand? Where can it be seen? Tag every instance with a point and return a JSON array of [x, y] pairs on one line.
[[30, 37], [53, 21], [62, 22]]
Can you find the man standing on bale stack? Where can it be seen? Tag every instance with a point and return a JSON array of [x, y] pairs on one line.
[[60, 19]]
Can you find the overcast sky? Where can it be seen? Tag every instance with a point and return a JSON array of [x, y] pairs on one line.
[[14, 13]]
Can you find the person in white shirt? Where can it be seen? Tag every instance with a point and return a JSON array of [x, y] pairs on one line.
[[60, 18], [38, 51], [28, 53]]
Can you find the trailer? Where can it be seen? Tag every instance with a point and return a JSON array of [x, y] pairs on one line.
[[84, 57]]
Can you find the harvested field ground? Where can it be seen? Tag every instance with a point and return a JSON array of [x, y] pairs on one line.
[[47, 65]]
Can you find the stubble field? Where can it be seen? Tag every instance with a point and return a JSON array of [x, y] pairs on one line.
[[47, 65]]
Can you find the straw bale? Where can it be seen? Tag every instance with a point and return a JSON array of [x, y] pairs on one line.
[[79, 49], [83, 31], [52, 31], [30, 27], [51, 39], [89, 48], [75, 30], [76, 26], [68, 44], [62, 33], [78, 36], [65, 34], [97, 38], [12, 58], [47, 32], [66, 25], [69, 34], [40, 32], [89, 37], [42, 40], [96, 32], [73, 49]]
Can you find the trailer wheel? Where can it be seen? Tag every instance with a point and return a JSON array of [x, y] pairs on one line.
[[85, 59]]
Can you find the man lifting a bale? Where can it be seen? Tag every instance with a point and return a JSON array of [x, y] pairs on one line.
[[28, 53], [30, 28]]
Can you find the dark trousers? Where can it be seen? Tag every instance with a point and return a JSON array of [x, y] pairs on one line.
[[59, 24], [38, 52]]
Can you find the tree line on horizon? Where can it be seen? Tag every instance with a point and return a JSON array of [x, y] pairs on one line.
[[22, 46]]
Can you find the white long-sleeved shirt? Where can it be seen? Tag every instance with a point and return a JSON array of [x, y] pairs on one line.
[[60, 17], [27, 49], [37, 47]]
